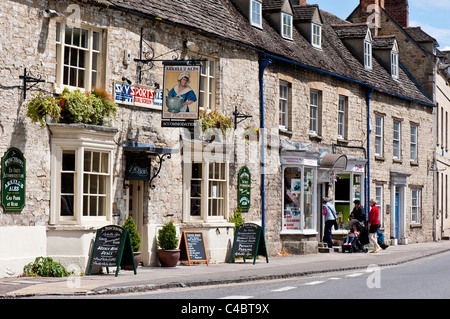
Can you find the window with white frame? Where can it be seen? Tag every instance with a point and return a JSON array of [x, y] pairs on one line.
[[207, 95], [314, 112], [415, 206], [316, 35], [367, 54], [413, 143], [379, 131], [394, 64], [286, 26], [397, 140], [78, 57], [255, 13], [206, 191], [342, 117], [81, 181], [284, 105], [379, 200]]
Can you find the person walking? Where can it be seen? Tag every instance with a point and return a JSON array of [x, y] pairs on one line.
[[330, 219], [374, 224]]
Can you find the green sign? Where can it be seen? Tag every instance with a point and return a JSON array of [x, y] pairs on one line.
[[13, 180], [244, 189]]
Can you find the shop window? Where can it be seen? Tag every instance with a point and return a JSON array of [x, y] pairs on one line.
[[78, 57], [299, 204]]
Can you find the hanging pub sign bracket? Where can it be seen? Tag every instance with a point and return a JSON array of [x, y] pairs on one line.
[[27, 79], [239, 115]]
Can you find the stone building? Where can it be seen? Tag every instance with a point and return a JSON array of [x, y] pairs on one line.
[[442, 165], [335, 116]]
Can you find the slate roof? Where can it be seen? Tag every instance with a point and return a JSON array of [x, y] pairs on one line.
[[222, 19]]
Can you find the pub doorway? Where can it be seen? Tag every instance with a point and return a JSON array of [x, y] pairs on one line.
[[135, 203]]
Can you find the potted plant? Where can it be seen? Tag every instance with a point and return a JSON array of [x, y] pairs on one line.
[[41, 107], [135, 241], [211, 120], [94, 107], [168, 254]]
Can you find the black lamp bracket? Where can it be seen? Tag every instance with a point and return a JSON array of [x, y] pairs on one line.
[[239, 115], [28, 78]]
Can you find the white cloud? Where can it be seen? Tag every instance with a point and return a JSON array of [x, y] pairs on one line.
[[441, 35], [430, 5]]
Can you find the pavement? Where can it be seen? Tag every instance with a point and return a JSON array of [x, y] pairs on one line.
[[200, 274]]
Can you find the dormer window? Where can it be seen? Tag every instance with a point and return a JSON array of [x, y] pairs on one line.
[[394, 60], [316, 35], [367, 54], [394, 64], [255, 13], [286, 26]]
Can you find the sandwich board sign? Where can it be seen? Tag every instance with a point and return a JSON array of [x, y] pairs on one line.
[[249, 242], [112, 248], [192, 247]]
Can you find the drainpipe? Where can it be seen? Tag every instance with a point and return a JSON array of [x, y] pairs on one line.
[[263, 63], [367, 181]]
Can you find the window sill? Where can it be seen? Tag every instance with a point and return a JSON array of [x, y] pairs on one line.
[[398, 161], [379, 158], [414, 164], [286, 132], [299, 232], [415, 225], [315, 137]]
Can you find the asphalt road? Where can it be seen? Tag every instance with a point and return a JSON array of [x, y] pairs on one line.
[[427, 278]]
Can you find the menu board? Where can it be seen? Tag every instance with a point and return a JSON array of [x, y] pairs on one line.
[[112, 247], [249, 242], [192, 247]]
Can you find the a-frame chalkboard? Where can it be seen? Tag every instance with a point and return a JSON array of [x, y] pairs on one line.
[[112, 248], [192, 247], [249, 242]]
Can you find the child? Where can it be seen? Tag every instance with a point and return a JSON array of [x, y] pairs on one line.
[[352, 235]]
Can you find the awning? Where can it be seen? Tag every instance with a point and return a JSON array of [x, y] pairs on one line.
[[333, 161], [131, 146]]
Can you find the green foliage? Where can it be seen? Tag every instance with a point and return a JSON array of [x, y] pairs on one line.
[[167, 237], [135, 238], [45, 267], [214, 119], [237, 218], [72, 107], [42, 106]]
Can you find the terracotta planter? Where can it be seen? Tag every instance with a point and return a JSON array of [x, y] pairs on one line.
[[168, 258], [137, 261]]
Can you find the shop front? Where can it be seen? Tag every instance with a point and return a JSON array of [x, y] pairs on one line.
[[299, 201], [307, 177]]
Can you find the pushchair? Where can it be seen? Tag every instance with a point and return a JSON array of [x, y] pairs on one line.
[[358, 243]]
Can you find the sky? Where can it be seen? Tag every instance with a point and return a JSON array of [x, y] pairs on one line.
[[432, 16]]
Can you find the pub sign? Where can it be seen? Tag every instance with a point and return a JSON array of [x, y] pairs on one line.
[[244, 189], [13, 180]]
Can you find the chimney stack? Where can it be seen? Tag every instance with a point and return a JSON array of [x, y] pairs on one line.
[[399, 11], [299, 2]]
